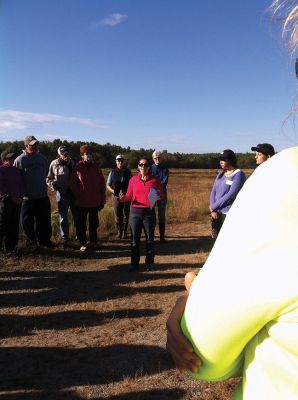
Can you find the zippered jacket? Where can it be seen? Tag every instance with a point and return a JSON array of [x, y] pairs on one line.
[[138, 190], [59, 175], [87, 183]]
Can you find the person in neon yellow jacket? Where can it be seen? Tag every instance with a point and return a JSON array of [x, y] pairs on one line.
[[241, 313], [242, 310]]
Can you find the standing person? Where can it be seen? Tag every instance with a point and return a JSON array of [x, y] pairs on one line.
[[11, 196], [36, 206], [160, 170], [58, 180], [143, 191], [87, 183], [118, 181], [225, 189], [240, 314], [263, 152]]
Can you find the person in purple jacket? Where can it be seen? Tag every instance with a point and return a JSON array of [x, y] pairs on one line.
[[225, 189], [11, 195]]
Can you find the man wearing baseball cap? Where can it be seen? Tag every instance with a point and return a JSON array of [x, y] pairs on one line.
[[36, 206], [11, 195], [58, 180], [263, 152]]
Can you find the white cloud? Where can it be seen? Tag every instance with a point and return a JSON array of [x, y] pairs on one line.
[[19, 120], [113, 19]]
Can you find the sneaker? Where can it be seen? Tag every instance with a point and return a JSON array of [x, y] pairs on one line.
[[92, 245], [83, 248], [149, 267], [133, 268], [163, 241]]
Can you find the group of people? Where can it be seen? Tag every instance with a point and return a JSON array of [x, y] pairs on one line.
[[81, 188]]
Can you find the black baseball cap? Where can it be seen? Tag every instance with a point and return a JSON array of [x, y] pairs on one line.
[[227, 155], [264, 148]]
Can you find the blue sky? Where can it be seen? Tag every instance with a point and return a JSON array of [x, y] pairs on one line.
[[181, 75]]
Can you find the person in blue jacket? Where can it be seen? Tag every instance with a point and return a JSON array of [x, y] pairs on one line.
[[225, 189], [160, 171]]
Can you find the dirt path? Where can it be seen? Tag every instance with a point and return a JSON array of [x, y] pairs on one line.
[[79, 326]]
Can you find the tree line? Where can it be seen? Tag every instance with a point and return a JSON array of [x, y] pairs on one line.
[[105, 154]]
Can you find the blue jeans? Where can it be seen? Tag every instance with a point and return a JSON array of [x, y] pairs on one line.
[[139, 218], [161, 211], [64, 202]]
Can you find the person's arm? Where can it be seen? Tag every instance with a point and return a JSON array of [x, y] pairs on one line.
[[165, 176], [110, 182], [212, 195], [74, 183], [51, 177], [3, 189], [129, 194], [102, 186], [229, 197], [177, 345]]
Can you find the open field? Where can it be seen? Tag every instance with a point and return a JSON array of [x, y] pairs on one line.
[[80, 326]]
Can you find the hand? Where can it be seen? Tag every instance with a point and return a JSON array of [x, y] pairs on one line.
[[214, 215], [177, 345], [121, 196]]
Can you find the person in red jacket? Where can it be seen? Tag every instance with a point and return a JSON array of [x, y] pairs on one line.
[[143, 191], [87, 183]]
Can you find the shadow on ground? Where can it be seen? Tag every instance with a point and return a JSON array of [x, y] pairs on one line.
[[50, 370]]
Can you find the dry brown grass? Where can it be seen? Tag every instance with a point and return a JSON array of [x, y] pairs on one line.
[[79, 326]]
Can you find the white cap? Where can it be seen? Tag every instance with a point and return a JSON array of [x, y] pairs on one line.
[[120, 157]]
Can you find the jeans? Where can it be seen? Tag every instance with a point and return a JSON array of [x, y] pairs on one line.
[[9, 224], [36, 220], [121, 212], [139, 218], [216, 225], [161, 211], [92, 214], [64, 202]]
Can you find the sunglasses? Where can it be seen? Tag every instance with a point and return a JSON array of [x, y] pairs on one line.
[[157, 158], [120, 160], [143, 165]]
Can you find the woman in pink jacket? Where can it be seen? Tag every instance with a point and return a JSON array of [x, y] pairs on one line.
[[143, 191]]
